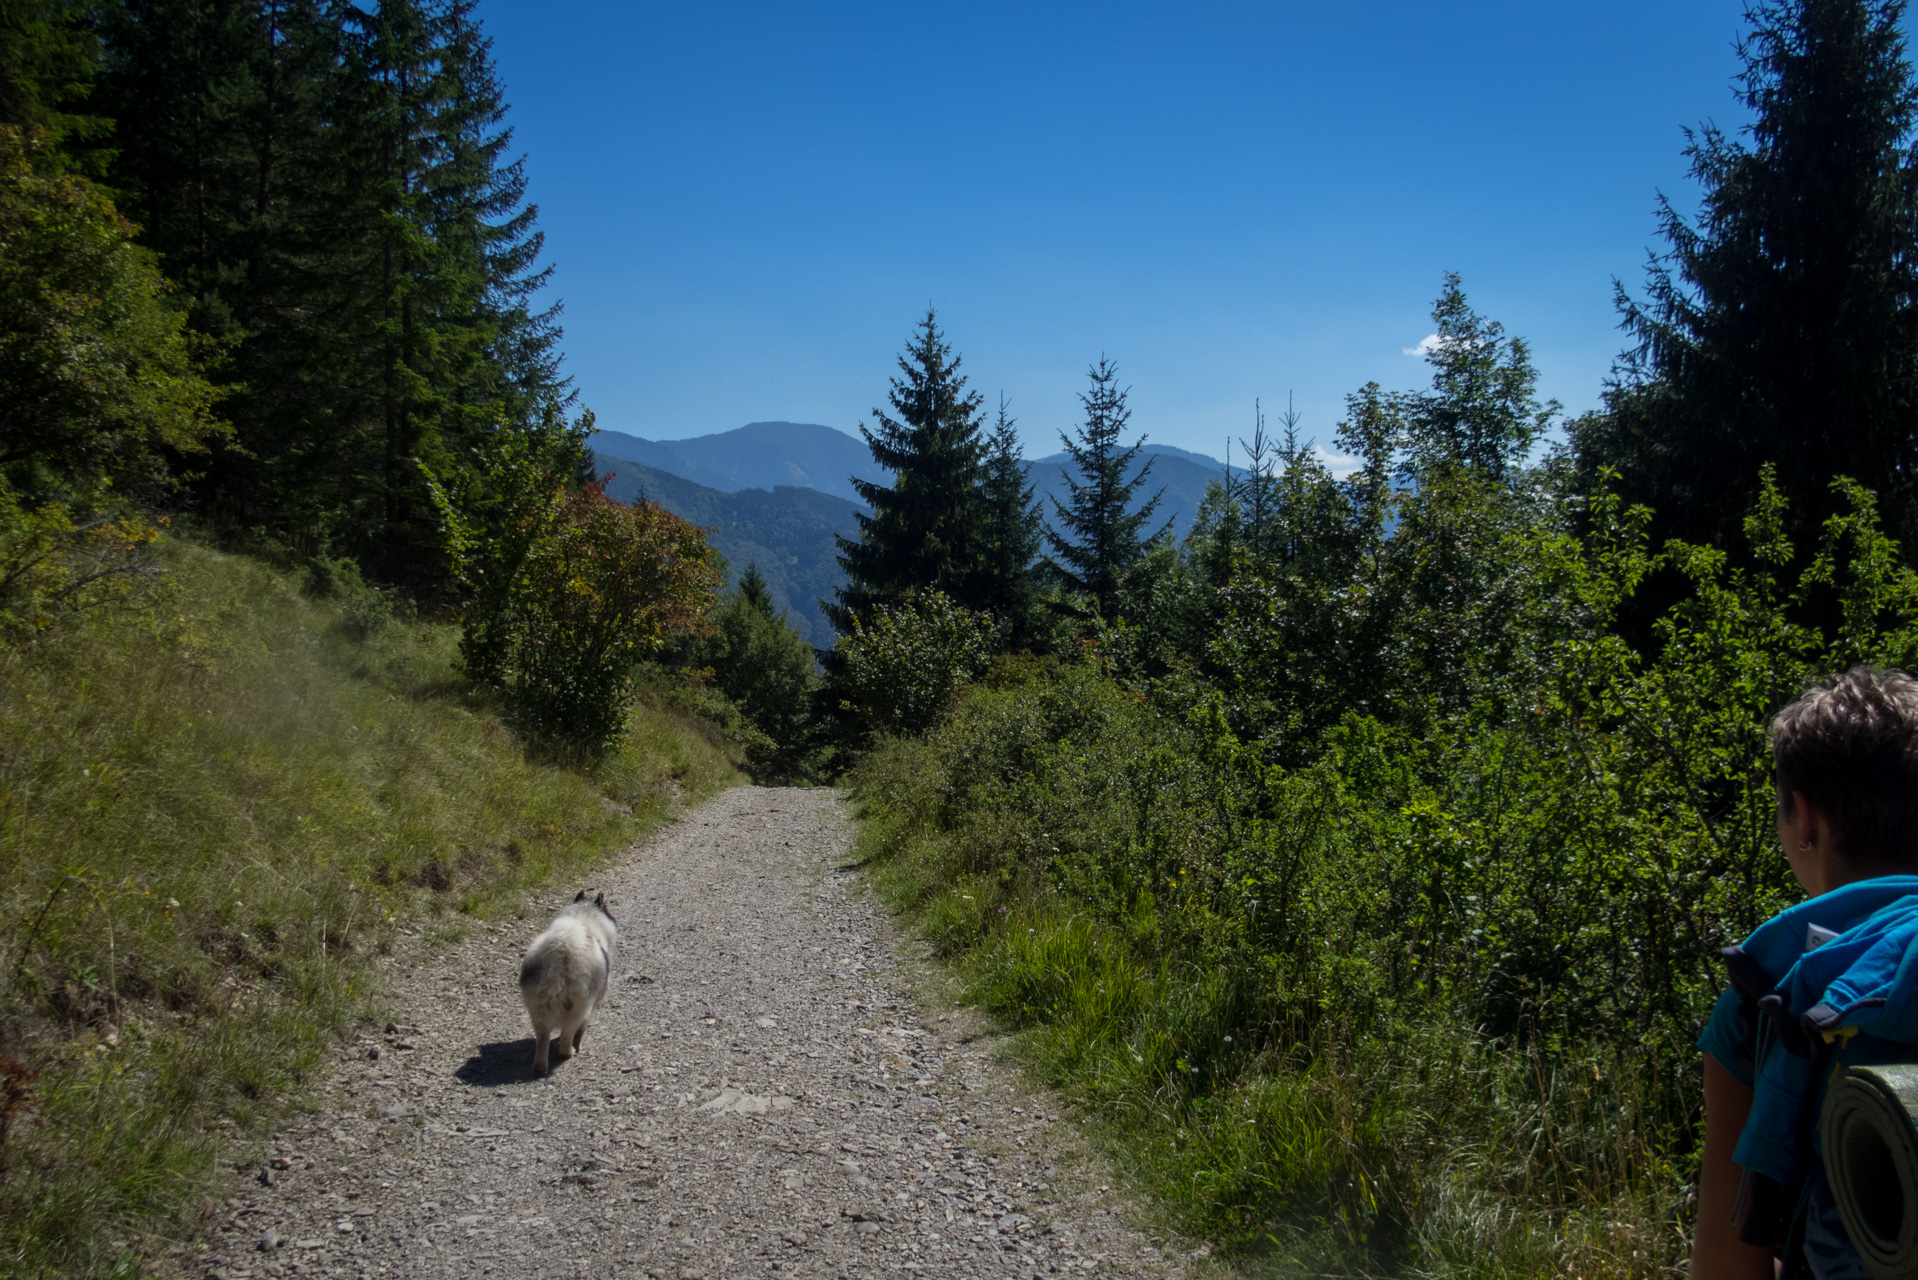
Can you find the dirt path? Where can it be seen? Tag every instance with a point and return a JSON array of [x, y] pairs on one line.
[[761, 1097]]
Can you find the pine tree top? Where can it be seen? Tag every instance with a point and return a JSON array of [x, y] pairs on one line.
[[924, 530], [1102, 537], [753, 590]]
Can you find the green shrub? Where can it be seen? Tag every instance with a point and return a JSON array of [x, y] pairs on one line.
[[765, 669], [569, 590], [52, 569], [364, 607], [493, 514], [897, 670], [1419, 994], [96, 372], [603, 590]]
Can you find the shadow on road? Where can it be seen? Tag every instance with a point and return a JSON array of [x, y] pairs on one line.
[[501, 1062]]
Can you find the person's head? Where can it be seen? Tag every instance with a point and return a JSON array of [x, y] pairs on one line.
[[1845, 753]]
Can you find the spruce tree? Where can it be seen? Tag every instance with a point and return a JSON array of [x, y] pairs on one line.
[[1252, 493], [1215, 555], [48, 58], [924, 531], [240, 151], [1102, 537], [421, 291], [488, 232], [754, 593], [461, 352], [184, 80], [1482, 412], [1011, 535], [765, 668], [1782, 325]]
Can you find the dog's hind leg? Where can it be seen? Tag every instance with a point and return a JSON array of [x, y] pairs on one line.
[[570, 1016], [568, 1036], [541, 1034], [579, 1036]]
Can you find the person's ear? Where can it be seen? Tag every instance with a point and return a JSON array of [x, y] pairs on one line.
[[1808, 821]]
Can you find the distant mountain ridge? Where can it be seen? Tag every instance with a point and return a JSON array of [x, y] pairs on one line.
[[759, 455], [769, 455], [737, 484], [787, 531], [1167, 450]]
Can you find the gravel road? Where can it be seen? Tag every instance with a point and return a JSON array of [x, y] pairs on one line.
[[762, 1095]]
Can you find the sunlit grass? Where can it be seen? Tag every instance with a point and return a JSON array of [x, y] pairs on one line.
[[1415, 1149], [214, 811]]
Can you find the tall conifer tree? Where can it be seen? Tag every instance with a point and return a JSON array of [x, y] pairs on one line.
[[422, 291], [461, 352], [238, 152], [924, 532], [1251, 494], [508, 365], [754, 593], [1483, 412], [331, 187], [1782, 325], [1011, 536], [48, 58], [1103, 537]]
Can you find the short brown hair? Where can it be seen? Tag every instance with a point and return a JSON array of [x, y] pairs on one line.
[[1850, 743]]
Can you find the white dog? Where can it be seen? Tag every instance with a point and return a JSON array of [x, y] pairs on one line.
[[565, 974]]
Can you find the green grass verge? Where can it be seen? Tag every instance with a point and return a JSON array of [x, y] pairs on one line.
[[1403, 1150], [215, 810]]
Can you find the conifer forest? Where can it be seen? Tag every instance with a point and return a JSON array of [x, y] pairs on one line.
[[1358, 858]]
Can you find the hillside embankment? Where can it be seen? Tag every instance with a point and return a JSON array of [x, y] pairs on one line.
[[222, 802], [763, 1093]]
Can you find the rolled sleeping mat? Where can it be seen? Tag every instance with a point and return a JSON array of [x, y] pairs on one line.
[[1870, 1125]]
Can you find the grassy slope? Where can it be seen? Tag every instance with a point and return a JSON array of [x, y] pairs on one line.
[[1403, 1150], [213, 811]]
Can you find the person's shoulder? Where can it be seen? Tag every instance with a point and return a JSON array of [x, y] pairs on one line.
[[1728, 1040]]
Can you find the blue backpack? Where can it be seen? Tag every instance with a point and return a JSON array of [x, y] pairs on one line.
[[1826, 984]]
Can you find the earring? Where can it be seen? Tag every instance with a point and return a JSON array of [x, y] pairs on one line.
[[1804, 846]]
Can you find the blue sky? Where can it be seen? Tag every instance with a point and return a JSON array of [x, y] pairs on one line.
[[750, 206]]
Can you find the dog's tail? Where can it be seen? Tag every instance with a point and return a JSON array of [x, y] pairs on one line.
[[566, 969], [545, 973]]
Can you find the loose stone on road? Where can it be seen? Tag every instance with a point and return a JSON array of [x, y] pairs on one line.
[[759, 1096]]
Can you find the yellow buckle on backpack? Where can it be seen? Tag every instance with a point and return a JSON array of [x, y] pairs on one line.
[[1840, 1036]]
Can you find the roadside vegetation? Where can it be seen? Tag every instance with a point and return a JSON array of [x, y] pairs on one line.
[[220, 800], [1413, 991], [402, 664], [1361, 860]]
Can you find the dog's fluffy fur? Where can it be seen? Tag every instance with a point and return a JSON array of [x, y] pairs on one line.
[[565, 974]]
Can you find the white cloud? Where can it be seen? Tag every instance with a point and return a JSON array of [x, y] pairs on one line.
[[1337, 463], [1427, 345]]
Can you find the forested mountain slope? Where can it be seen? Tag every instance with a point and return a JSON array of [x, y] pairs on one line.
[[787, 531], [759, 455], [777, 455]]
